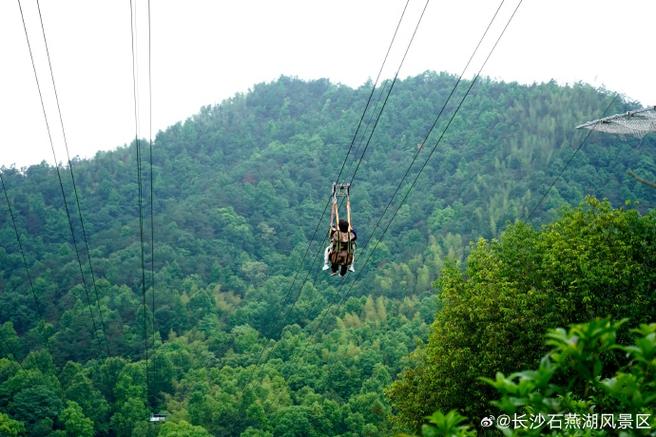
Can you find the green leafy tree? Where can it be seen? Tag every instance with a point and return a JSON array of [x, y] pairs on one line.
[[33, 398], [594, 261], [293, 421], [81, 390], [10, 345], [580, 375], [36, 406], [105, 375], [10, 427], [128, 414], [182, 429], [585, 374], [41, 360], [75, 422], [447, 425]]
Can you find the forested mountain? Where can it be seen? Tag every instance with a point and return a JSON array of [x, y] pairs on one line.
[[250, 337]]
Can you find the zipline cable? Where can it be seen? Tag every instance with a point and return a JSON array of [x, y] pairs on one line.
[[370, 120], [380, 112], [435, 121], [569, 161], [61, 184], [28, 274], [342, 282], [77, 197], [432, 127], [353, 140], [374, 87], [152, 196], [396, 76], [20, 247], [414, 182], [133, 25]]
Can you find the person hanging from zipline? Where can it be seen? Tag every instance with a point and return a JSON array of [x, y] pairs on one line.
[[339, 255]]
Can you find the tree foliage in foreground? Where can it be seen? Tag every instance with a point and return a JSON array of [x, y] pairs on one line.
[[593, 262], [585, 374]]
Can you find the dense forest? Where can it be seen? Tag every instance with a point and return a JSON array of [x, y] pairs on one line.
[[236, 331]]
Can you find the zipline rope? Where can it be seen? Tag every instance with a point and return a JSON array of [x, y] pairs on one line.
[[380, 113], [396, 76], [133, 25], [152, 196], [75, 191], [569, 161], [20, 247], [473, 82], [61, 184], [378, 116], [339, 174], [432, 127]]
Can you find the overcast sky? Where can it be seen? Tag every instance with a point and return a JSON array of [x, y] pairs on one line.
[[204, 51]]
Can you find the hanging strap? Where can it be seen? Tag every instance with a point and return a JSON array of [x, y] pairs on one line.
[[348, 208], [333, 212], [338, 246], [348, 217]]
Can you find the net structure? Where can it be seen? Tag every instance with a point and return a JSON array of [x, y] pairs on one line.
[[639, 123]]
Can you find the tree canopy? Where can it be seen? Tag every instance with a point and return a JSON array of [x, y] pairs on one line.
[[593, 262]]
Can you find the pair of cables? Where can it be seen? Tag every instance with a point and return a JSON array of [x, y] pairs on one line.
[[433, 149], [361, 269], [360, 130], [140, 183], [61, 185]]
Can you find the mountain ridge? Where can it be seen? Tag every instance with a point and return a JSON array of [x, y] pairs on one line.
[[239, 188]]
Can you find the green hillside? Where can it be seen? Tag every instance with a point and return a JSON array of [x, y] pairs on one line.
[[250, 337]]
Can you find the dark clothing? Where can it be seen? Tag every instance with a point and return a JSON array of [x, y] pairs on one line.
[[342, 269], [354, 236]]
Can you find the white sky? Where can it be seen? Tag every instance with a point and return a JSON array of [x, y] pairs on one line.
[[204, 51]]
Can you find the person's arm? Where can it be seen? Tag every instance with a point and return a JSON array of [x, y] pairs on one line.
[[333, 217], [348, 211]]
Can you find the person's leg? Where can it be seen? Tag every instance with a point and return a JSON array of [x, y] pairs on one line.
[[326, 262], [350, 267], [343, 270]]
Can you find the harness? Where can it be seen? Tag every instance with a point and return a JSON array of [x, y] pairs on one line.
[[341, 252]]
